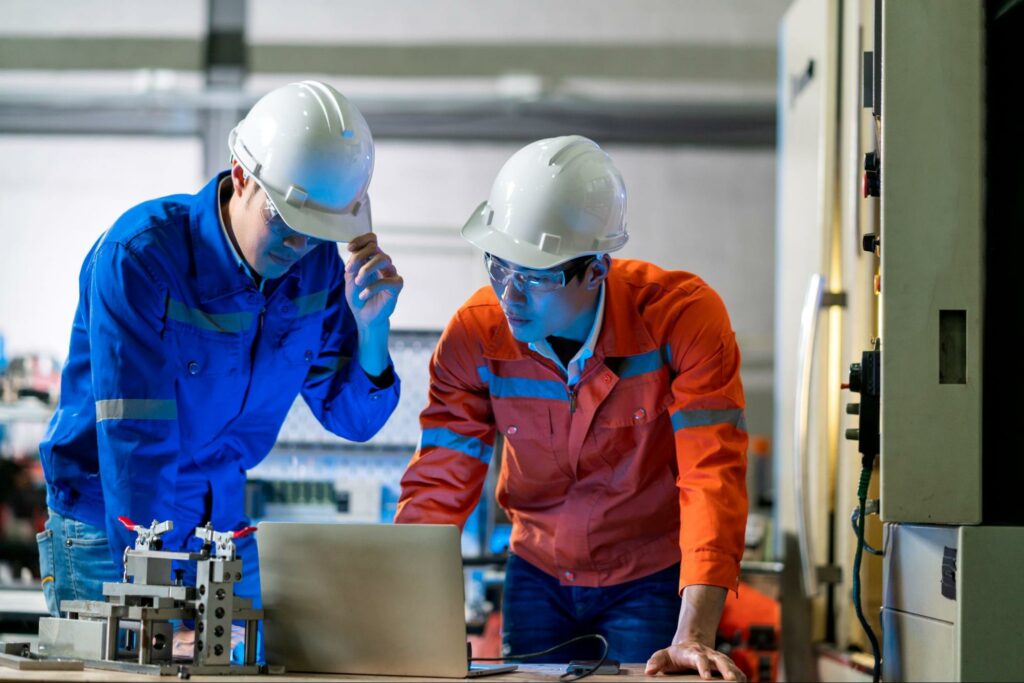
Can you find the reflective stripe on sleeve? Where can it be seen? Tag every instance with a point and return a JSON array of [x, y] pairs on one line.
[[446, 438], [136, 409], [683, 419]]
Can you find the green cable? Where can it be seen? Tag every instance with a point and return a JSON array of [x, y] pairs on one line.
[[862, 497]]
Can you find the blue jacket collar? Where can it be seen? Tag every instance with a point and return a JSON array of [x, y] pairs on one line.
[[217, 271]]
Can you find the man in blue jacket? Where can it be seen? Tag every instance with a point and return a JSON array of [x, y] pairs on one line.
[[200, 319]]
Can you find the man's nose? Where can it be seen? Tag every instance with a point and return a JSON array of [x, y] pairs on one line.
[[297, 242], [511, 292]]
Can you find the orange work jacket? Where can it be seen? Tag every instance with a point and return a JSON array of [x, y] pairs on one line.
[[640, 465]]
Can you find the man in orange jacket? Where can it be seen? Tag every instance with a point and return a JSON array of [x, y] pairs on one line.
[[616, 388]]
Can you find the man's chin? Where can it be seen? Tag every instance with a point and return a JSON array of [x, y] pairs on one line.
[[524, 334], [274, 269]]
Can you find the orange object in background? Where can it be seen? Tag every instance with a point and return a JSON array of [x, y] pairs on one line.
[[488, 643], [749, 632], [760, 445]]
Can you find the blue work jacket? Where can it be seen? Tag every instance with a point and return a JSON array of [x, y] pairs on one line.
[[181, 372]]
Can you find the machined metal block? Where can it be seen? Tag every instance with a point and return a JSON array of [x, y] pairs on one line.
[[155, 641], [89, 607], [132, 590], [20, 659], [230, 570], [216, 609], [76, 638], [149, 570]]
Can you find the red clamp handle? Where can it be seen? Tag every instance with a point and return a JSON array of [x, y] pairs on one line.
[[128, 524], [241, 533]]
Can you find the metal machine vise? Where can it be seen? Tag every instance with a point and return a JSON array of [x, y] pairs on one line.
[[132, 631]]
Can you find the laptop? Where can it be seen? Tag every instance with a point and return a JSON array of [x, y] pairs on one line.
[[375, 599]]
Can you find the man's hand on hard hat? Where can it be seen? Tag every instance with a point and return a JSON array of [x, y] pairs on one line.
[[372, 285], [693, 644]]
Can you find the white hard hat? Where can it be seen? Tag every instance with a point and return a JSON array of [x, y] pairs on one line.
[[553, 200], [310, 149]]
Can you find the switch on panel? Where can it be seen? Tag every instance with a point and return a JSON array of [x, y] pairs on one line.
[[865, 379], [871, 185]]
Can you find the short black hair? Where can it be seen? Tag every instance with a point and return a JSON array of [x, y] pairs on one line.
[[577, 267]]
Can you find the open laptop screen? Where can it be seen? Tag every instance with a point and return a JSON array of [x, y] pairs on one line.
[[364, 598]]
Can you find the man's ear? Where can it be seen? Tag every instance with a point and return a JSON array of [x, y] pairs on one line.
[[598, 271], [238, 180]]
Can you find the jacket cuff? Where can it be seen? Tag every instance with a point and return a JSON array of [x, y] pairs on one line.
[[709, 568], [386, 380]]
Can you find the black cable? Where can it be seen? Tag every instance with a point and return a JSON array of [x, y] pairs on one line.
[[566, 676], [862, 495]]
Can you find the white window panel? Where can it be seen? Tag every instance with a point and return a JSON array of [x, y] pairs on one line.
[[710, 212], [565, 22], [96, 84], [108, 18], [59, 194]]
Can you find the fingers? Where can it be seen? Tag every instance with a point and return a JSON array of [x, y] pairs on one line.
[[657, 663], [361, 241], [393, 285], [730, 671], [703, 665], [367, 260], [715, 660], [689, 656], [379, 263]]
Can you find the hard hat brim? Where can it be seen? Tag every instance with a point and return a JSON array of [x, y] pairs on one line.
[[323, 225], [477, 232]]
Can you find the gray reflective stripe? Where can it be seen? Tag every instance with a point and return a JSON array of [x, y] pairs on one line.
[[136, 409], [644, 363], [446, 438], [702, 418], [311, 303], [325, 367], [216, 322]]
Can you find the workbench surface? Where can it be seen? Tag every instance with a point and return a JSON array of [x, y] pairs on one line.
[[526, 672]]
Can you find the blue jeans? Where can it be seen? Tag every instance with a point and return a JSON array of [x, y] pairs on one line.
[[74, 561], [637, 617]]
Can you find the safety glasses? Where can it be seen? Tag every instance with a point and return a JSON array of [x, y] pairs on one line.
[[537, 281], [277, 226]]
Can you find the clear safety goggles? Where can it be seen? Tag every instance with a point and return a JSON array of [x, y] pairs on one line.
[[538, 281], [277, 226]]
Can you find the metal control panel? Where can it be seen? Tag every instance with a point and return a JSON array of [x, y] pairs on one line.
[[932, 260]]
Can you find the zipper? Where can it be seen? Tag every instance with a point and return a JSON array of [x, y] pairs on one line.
[[574, 389]]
